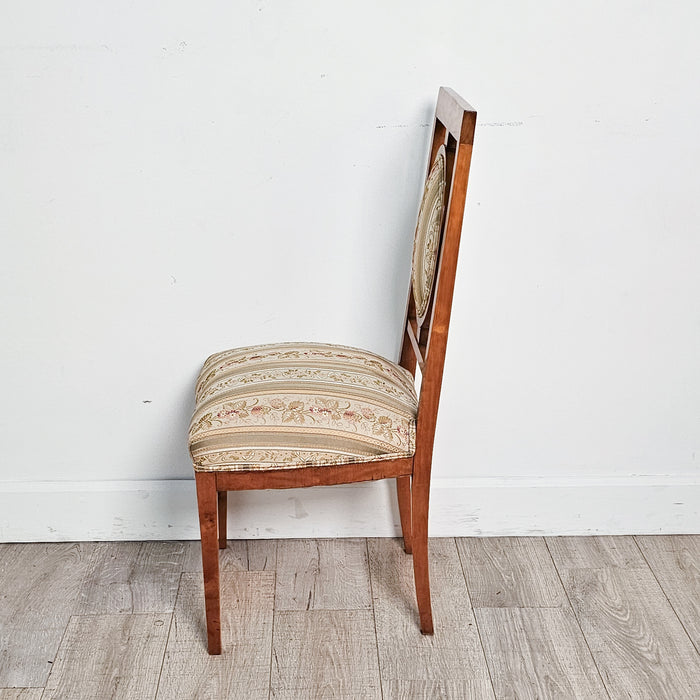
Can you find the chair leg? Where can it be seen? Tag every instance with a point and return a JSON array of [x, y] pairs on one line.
[[420, 494], [223, 501], [403, 491], [207, 502]]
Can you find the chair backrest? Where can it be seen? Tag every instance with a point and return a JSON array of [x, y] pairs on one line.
[[435, 262]]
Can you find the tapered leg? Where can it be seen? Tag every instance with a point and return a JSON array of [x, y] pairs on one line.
[[419, 536], [403, 491], [207, 502], [222, 518]]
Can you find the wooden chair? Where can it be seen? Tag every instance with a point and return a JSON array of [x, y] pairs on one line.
[[291, 415]]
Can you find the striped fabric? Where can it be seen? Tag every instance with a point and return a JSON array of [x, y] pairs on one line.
[[300, 404]]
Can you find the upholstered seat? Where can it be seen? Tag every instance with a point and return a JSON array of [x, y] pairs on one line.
[[300, 405]]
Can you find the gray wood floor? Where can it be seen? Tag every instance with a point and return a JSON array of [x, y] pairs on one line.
[[561, 617]]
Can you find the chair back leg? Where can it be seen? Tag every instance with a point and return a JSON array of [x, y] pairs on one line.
[[403, 491], [223, 504], [420, 493], [207, 502]]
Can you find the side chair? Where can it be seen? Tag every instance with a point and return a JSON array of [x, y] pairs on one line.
[[307, 414]]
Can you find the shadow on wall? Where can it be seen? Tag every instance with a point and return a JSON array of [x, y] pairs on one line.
[[307, 512], [172, 453], [402, 173]]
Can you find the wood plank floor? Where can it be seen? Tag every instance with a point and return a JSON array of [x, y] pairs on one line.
[[516, 617]]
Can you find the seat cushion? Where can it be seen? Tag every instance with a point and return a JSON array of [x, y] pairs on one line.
[[300, 404]]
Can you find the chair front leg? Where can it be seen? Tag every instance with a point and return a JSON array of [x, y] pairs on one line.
[[403, 491], [207, 502], [420, 493]]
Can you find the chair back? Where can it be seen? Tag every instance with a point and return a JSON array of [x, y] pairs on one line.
[[436, 248]]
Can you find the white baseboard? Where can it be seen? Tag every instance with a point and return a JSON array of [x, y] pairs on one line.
[[166, 510]]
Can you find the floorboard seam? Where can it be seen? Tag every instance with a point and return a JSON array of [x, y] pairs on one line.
[[58, 648], [578, 622], [476, 619], [272, 632], [167, 638], [374, 619], [675, 612]]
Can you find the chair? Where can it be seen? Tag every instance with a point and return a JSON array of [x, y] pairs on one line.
[[302, 414]]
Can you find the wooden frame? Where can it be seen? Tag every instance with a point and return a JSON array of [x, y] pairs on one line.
[[424, 345]]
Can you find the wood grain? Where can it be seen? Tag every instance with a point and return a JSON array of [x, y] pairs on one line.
[[431, 690], [233, 558], [109, 656], [207, 504], [510, 572], [21, 693], [324, 654], [239, 555], [410, 662], [222, 498], [675, 561], [538, 653], [595, 552], [262, 555], [296, 477], [39, 584], [129, 577], [322, 575], [403, 493], [450, 109], [638, 644], [243, 668]]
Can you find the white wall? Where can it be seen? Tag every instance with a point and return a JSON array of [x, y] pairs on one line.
[[178, 178]]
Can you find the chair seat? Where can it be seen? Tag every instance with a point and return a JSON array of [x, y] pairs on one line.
[[300, 405]]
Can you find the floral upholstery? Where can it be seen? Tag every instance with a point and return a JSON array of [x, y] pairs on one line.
[[300, 404], [427, 239]]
